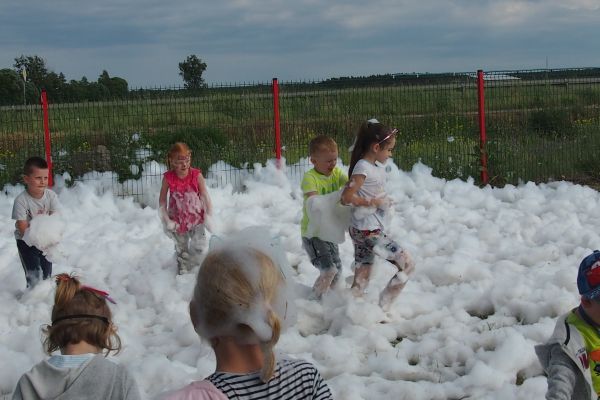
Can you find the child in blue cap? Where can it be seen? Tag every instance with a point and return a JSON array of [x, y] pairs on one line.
[[571, 357]]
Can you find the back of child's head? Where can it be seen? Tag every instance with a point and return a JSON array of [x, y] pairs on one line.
[[177, 149], [370, 132], [34, 162], [321, 143], [80, 313], [240, 293]]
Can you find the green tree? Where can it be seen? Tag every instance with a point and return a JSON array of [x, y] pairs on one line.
[[35, 67], [191, 71], [117, 87], [11, 87], [78, 90], [56, 86]]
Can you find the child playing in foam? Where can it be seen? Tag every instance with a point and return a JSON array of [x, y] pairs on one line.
[[323, 179], [188, 206], [366, 193], [571, 356], [82, 328], [240, 304], [36, 200]]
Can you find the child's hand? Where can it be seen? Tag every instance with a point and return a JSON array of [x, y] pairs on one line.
[[208, 223], [168, 224], [386, 203], [171, 225], [378, 202]]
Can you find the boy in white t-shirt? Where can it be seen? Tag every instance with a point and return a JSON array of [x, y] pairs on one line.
[[37, 199]]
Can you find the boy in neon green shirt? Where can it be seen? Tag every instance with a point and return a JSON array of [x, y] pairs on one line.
[[571, 358], [322, 179]]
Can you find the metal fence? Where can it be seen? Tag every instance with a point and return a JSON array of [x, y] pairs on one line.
[[541, 125]]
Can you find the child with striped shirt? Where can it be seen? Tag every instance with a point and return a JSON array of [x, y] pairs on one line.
[[240, 304]]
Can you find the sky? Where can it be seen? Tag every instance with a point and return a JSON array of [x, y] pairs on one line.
[[143, 41], [495, 267]]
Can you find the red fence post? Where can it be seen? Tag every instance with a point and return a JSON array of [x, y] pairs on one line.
[[482, 135], [47, 143], [276, 122]]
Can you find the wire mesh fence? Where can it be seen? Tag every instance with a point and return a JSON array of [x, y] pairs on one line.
[[541, 125], [436, 116]]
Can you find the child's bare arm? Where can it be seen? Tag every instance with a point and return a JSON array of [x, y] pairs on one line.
[[204, 193], [22, 226], [162, 199], [350, 194], [168, 224]]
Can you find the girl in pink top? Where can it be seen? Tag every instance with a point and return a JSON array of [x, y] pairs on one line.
[[188, 206]]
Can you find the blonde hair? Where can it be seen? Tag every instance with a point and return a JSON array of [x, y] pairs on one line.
[[237, 294], [321, 143], [177, 148], [80, 314]]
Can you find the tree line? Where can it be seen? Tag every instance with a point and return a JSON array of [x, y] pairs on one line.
[[24, 82], [448, 78]]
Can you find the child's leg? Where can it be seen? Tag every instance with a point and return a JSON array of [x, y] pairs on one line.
[[364, 242], [393, 253], [30, 261], [322, 255], [197, 242], [46, 266], [362, 274], [403, 261], [182, 250], [338, 266]]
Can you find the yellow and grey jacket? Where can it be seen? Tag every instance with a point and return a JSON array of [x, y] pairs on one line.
[[565, 360]]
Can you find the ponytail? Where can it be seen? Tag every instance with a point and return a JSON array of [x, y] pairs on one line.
[[80, 313], [267, 347], [66, 288], [359, 149], [235, 284]]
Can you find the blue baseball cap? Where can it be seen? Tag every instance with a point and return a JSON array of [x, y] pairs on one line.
[[588, 278]]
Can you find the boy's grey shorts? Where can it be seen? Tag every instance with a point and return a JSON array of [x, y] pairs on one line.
[[323, 255]]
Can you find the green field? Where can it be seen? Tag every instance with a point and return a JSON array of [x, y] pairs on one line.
[[537, 130]]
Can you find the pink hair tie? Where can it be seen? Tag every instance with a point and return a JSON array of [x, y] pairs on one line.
[[99, 292]]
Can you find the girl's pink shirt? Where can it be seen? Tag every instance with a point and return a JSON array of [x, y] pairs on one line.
[[186, 207], [200, 390]]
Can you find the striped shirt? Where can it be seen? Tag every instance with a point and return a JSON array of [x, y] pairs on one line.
[[292, 380]]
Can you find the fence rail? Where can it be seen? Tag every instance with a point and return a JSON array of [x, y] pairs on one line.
[[540, 125]]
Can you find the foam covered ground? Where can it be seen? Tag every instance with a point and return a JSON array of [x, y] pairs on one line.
[[495, 267]]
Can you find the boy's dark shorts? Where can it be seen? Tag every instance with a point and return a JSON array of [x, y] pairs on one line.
[[323, 255], [35, 264]]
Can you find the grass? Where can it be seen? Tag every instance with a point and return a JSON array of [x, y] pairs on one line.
[[535, 132]]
